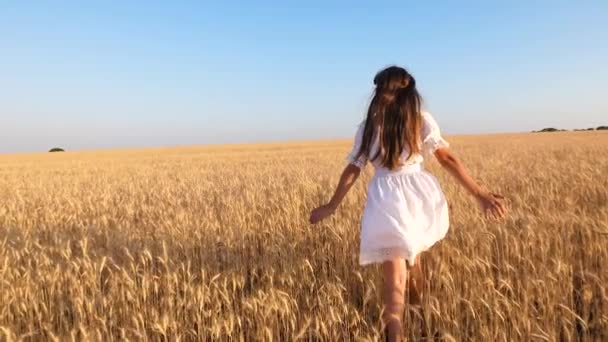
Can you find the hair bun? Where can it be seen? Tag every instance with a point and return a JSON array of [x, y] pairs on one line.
[[412, 82]]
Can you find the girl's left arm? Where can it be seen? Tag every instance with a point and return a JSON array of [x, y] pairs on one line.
[[491, 203], [347, 179]]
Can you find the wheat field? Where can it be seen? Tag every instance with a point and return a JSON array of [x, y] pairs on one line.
[[212, 243]]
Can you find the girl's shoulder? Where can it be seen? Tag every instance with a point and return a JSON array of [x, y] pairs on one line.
[[428, 119], [426, 115], [361, 125]]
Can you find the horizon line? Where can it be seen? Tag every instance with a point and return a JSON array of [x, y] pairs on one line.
[[266, 142]]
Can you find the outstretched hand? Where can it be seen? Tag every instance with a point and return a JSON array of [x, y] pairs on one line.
[[321, 213], [492, 205]]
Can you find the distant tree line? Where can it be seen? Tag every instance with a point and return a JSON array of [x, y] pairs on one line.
[[552, 129]]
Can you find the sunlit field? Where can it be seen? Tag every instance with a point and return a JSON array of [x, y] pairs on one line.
[[212, 243]]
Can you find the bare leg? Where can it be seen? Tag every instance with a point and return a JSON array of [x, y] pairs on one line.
[[416, 282], [395, 273]]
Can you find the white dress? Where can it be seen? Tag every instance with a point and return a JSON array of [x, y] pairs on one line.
[[406, 211]]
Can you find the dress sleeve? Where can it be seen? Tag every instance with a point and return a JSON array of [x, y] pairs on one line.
[[431, 135], [352, 156]]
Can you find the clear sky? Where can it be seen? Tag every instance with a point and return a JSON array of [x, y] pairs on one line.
[[112, 74]]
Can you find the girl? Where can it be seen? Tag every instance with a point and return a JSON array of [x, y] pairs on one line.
[[406, 211]]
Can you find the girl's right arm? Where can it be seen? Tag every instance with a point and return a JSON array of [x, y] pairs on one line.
[[347, 179], [491, 203]]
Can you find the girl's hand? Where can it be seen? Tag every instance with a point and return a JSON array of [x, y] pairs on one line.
[[321, 213], [492, 204]]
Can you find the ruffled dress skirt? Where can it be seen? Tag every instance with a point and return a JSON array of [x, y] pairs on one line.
[[405, 213]]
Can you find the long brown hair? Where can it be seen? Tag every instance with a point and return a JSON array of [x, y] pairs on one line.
[[395, 112]]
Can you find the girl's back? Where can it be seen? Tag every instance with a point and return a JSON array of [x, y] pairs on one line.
[[430, 140]]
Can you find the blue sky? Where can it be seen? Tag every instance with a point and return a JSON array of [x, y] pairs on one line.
[[110, 74]]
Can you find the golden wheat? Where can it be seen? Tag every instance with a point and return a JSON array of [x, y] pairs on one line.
[[208, 243]]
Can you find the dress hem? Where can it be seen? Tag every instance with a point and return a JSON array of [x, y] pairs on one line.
[[381, 255]]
